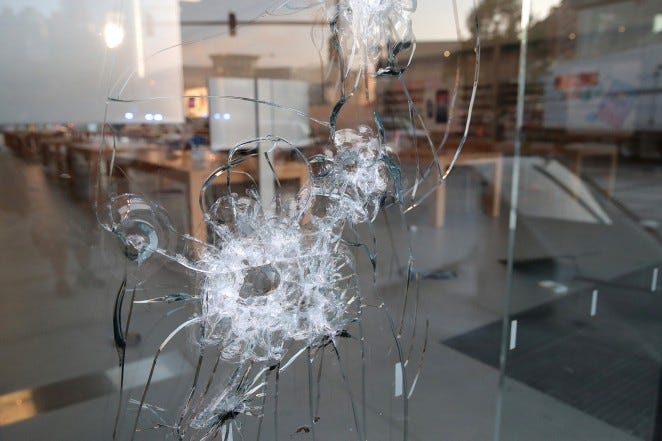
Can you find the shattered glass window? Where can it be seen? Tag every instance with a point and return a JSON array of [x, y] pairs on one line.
[[291, 230], [330, 219]]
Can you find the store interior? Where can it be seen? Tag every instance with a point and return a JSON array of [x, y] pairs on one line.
[[505, 280]]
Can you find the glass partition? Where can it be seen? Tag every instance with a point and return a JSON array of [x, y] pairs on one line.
[[335, 219], [581, 348]]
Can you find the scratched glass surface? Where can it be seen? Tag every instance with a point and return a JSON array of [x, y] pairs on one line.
[[581, 336], [283, 284], [272, 220]]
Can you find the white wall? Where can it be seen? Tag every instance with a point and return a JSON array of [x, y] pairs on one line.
[[233, 121], [56, 66]]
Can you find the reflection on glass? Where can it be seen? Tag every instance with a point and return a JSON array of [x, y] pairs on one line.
[[424, 265]]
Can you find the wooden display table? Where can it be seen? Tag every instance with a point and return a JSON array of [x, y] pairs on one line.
[[179, 166], [493, 158], [577, 151]]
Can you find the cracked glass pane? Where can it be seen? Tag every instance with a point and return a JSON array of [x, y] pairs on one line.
[[330, 219], [281, 274]]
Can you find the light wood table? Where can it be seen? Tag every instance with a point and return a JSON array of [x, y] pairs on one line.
[[92, 153], [577, 151], [53, 148], [493, 158], [179, 166], [26, 143]]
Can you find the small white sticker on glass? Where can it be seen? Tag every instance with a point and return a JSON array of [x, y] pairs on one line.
[[654, 280], [398, 379], [513, 335], [594, 302]]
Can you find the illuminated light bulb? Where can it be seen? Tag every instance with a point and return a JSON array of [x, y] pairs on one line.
[[113, 34], [657, 23]]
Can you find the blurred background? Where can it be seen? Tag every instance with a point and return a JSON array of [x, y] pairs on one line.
[[538, 260]]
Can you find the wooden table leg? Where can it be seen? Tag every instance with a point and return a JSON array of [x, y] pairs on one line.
[[577, 169], [303, 181], [197, 226], [611, 181], [439, 206], [69, 166], [60, 167], [63, 166], [303, 177], [495, 209], [24, 146], [95, 182], [44, 150]]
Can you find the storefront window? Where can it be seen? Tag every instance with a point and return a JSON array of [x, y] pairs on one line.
[[335, 219]]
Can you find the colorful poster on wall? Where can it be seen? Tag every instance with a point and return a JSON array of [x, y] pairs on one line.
[[615, 92]]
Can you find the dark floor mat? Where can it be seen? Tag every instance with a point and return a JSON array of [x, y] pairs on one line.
[[606, 366]]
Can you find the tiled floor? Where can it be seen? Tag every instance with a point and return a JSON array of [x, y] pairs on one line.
[[60, 274]]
